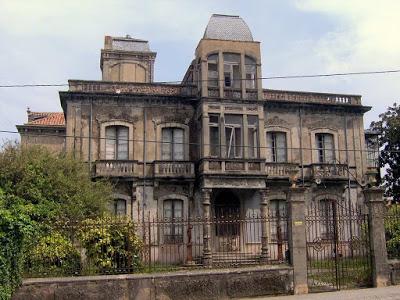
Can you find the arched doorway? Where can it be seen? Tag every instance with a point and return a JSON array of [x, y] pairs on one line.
[[227, 222]]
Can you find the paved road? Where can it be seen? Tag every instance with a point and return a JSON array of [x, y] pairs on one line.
[[386, 293]]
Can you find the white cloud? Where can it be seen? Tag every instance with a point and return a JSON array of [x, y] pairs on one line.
[[365, 38]]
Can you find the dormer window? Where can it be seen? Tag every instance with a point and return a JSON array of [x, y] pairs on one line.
[[250, 68], [213, 70], [232, 70]]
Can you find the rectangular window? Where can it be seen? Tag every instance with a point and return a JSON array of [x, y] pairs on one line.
[[172, 144], [327, 219], [215, 144], [252, 133], [232, 77], [250, 67], [278, 225], [325, 147], [276, 147], [212, 74], [173, 214], [117, 142], [120, 207], [233, 136]]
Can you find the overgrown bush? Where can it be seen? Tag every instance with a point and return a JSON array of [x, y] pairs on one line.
[[111, 244], [392, 230], [36, 187], [55, 255]]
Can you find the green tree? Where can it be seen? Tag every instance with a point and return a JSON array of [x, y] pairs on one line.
[[389, 127], [38, 188]]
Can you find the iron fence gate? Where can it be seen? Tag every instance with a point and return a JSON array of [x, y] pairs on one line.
[[338, 246]]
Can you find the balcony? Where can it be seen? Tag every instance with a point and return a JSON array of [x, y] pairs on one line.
[[232, 166], [281, 170], [115, 168], [329, 171], [174, 169]]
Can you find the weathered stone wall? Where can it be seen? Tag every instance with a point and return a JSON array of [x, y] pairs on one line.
[[394, 271], [217, 284]]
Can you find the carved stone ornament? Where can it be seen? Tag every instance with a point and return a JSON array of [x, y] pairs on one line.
[[276, 121]]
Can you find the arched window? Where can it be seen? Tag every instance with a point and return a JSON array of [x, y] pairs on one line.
[[117, 142], [251, 71], [212, 70], [119, 207], [276, 147], [232, 76], [325, 147], [173, 213], [172, 143]]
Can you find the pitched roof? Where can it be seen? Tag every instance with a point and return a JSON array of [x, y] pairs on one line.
[[231, 28], [46, 118]]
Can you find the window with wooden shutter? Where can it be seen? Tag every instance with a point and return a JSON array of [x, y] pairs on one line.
[[325, 147], [276, 147], [172, 144], [173, 214], [117, 142], [250, 67]]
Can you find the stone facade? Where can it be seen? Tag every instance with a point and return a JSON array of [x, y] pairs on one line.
[[177, 150]]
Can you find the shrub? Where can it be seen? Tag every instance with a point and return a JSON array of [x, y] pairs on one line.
[[54, 254], [111, 244]]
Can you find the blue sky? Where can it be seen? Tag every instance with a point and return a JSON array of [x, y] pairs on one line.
[[51, 41]]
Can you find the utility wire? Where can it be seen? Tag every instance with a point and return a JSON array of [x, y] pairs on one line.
[[183, 143], [214, 80]]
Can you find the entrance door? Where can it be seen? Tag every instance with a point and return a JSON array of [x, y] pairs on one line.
[[227, 222]]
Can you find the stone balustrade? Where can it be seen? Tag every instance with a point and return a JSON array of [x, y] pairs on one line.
[[308, 97], [280, 170], [131, 87], [174, 169], [232, 166], [115, 168]]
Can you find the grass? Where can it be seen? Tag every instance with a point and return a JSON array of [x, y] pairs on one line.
[[352, 272]]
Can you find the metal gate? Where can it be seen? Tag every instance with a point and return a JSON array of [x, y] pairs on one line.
[[338, 246]]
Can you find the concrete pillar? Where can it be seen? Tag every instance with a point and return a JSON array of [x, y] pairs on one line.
[[264, 225], [376, 208], [297, 238], [207, 257]]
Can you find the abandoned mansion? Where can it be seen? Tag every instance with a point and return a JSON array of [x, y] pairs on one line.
[[217, 145]]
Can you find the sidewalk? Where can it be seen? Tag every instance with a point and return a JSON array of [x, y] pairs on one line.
[[386, 293]]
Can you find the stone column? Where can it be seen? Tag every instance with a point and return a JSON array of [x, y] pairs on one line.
[[297, 238], [376, 209], [264, 225], [207, 257]]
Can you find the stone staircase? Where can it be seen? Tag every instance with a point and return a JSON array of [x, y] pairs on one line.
[[234, 259]]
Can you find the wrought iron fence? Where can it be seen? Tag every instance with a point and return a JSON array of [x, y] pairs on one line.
[[121, 246], [392, 231]]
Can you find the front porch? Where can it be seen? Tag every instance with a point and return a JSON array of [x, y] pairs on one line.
[[233, 227]]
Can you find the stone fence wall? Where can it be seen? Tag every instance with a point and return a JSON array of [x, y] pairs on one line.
[[199, 284]]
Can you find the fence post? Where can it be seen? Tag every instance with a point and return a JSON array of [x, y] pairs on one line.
[[207, 257], [264, 225], [297, 238], [376, 209]]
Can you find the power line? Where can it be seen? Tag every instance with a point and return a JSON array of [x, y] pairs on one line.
[[299, 76], [182, 143]]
